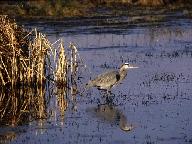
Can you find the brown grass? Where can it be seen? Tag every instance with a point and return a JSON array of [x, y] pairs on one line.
[[24, 62], [22, 55], [13, 51], [61, 67]]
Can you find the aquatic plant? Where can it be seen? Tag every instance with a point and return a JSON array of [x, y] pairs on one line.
[[24, 56], [61, 67], [13, 52], [25, 67]]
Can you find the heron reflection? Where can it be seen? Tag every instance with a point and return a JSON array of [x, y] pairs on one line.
[[111, 114]]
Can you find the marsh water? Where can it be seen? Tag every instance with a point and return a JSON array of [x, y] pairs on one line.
[[151, 106]]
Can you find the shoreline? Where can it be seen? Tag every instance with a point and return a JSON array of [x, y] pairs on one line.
[[25, 11]]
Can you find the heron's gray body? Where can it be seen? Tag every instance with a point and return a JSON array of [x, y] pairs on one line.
[[106, 80], [109, 79]]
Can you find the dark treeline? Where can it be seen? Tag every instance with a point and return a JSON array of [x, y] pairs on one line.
[[68, 2], [70, 8], [140, 2]]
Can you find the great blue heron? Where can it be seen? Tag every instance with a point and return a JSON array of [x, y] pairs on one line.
[[109, 79]]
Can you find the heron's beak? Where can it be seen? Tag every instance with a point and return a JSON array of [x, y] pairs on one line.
[[133, 66]]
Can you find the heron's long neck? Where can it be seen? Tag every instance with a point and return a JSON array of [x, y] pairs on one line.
[[123, 73]]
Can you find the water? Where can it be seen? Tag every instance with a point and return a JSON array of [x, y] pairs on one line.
[[153, 101]]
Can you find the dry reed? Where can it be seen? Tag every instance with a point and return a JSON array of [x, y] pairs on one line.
[[74, 64], [13, 51], [37, 59], [25, 58], [74, 69], [22, 60], [61, 67]]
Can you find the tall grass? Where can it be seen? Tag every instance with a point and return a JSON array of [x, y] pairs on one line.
[[24, 62], [25, 58], [61, 67], [12, 55], [22, 57], [74, 69], [38, 52]]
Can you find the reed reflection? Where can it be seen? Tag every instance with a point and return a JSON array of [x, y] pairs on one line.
[[18, 106], [5, 137], [62, 102]]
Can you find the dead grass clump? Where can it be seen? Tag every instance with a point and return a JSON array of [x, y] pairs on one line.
[[13, 51], [36, 68], [61, 67], [27, 59], [22, 55]]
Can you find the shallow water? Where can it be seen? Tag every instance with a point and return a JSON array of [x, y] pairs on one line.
[[153, 102]]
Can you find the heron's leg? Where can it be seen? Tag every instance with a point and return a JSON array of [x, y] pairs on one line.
[[104, 93], [98, 102], [109, 93], [109, 100]]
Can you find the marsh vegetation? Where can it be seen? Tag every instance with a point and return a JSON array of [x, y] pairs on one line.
[[43, 98], [27, 59]]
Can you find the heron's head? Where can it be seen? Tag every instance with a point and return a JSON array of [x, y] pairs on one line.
[[126, 66]]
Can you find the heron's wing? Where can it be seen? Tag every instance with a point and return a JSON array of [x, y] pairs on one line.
[[108, 77]]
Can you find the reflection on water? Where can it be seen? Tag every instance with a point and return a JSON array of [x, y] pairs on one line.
[[111, 114], [7, 136], [22, 105], [156, 97], [62, 102]]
